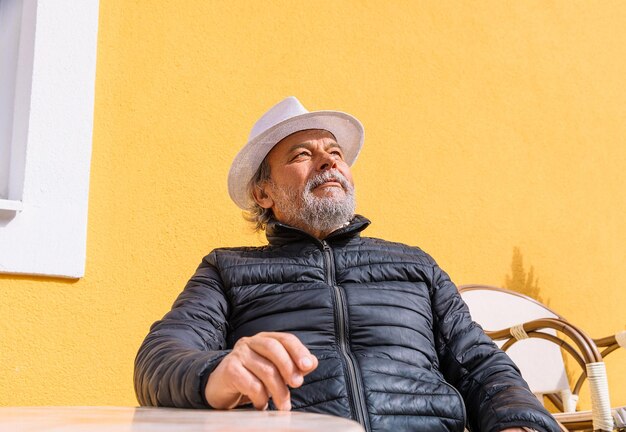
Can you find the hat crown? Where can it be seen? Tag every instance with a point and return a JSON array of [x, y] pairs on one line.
[[283, 110]]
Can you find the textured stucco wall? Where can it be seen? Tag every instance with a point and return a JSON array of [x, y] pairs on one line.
[[491, 127]]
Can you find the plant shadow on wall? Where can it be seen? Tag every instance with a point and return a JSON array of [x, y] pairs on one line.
[[521, 281], [525, 282]]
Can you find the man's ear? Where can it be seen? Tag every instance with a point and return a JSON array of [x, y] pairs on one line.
[[261, 196]]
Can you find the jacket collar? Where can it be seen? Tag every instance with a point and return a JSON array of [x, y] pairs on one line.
[[278, 233]]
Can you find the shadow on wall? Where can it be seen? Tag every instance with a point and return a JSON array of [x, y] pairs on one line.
[[525, 282], [34, 278], [522, 281], [6, 216]]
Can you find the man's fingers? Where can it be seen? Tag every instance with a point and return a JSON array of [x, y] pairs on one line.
[[249, 385], [276, 353], [300, 357], [299, 353], [268, 374], [276, 360]]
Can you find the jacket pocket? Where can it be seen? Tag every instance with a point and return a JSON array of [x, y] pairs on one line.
[[461, 402]]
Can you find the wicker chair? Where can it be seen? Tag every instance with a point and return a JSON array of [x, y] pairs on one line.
[[509, 317]]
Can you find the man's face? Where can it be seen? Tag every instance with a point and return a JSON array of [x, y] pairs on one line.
[[311, 185]]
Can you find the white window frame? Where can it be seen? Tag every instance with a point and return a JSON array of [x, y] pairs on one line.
[[43, 220]]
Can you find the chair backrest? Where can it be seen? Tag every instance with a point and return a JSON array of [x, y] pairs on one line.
[[540, 361]]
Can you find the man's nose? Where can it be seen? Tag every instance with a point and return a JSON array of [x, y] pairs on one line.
[[326, 162]]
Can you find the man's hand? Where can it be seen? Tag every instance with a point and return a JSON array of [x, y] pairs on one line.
[[260, 367]]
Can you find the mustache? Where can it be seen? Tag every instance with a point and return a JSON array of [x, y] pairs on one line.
[[326, 176]]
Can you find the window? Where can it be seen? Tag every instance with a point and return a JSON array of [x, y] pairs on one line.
[[10, 25], [47, 74]]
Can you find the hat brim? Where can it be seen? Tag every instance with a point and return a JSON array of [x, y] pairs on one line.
[[347, 130]]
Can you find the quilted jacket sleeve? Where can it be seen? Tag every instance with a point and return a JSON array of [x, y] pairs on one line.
[[183, 348], [495, 394]]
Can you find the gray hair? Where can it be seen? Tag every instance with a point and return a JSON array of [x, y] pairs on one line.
[[257, 215]]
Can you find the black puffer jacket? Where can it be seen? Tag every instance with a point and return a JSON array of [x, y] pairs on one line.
[[397, 348]]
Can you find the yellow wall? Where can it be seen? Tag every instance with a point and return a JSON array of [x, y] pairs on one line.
[[490, 126]]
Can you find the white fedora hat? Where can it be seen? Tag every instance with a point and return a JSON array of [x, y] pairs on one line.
[[283, 119]]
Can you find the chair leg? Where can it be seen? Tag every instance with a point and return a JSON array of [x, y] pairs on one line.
[[570, 400]]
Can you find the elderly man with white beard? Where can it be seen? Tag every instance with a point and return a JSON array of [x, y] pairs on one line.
[[323, 319]]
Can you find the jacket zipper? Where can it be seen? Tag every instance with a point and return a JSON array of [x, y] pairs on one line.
[[355, 387]]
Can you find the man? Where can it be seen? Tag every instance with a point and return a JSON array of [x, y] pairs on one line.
[[323, 319]]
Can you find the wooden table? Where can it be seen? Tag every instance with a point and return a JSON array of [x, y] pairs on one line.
[[119, 419]]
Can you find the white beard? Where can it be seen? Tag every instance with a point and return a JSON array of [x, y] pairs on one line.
[[324, 214]]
